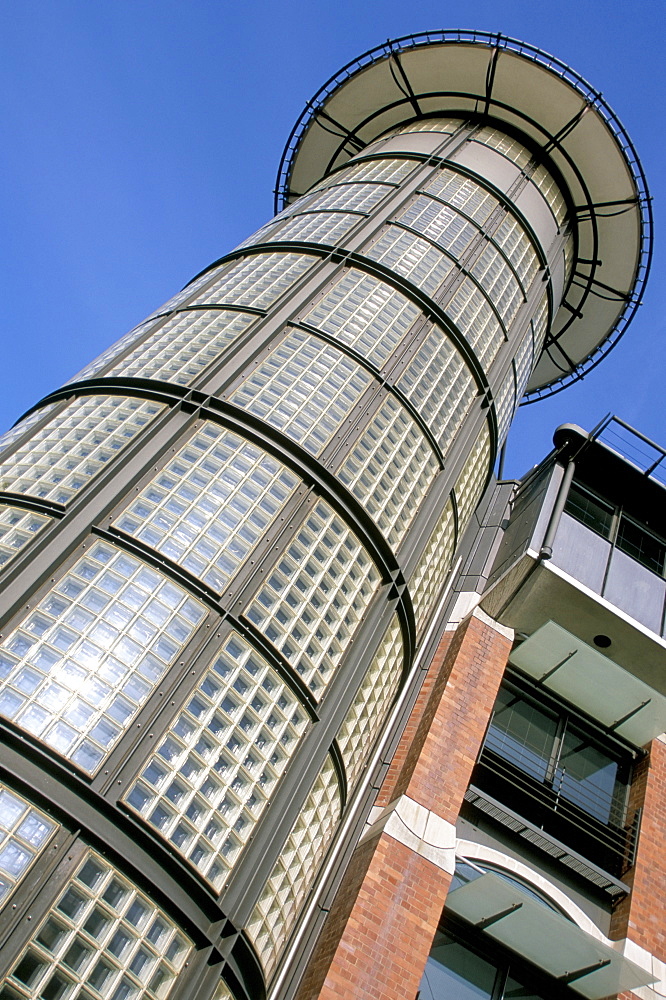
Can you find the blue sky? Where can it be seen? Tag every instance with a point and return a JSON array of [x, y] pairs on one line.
[[141, 140]]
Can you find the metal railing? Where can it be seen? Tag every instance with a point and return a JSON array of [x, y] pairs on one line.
[[549, 804]]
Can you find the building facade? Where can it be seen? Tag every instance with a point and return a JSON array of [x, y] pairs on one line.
[[251, 627]]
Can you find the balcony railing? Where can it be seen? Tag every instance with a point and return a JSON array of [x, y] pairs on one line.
[[584, 819]]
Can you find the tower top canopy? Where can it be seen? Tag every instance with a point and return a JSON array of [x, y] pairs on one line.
[[561, 118]]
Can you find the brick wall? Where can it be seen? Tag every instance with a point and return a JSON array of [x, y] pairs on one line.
[[378, 936], [640, 915]]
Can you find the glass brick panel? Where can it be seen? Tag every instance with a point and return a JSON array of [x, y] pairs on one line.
[[14, 433], [18, 527], [462, 193], [187, 343], [354, 197], [433, 567], [471, 311], [388, 171], [440, 385], [313, 598], [24, 833], [472, 479], [390, 469], [549, 189], [223, 992], [75, 445], [210, 780], [413, 258], [448, 125], [211, 504], [515, 243], [295, 871], [511, 148], [498, 281], [524, 363], [367, 713], [366, 314], [540, 325], [256, 281], [102, 939], [505, 404], [305, 388], [81, 663], [442, 224], [568, 256], [114, 351], [187, 292], [315, 227]]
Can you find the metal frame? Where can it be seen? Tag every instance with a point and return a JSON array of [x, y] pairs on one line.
[[497, 42]]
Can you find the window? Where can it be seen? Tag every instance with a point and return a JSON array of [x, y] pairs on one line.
[[556, 749], [627, 533], [457, 969]]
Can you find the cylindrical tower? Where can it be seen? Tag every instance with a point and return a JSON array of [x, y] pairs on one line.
[[224, 540]]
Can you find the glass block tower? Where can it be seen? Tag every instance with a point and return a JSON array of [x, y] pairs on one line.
[[225, 541]]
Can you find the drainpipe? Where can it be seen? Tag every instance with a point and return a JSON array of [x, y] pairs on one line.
[[546, 550]]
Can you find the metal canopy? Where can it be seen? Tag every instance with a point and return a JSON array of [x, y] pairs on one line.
[[602, 688], [467, 73], [545, 937]]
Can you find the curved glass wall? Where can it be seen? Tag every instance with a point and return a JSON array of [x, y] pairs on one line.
[[219, 593]]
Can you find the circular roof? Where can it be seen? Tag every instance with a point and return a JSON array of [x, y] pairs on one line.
[[475, 73]]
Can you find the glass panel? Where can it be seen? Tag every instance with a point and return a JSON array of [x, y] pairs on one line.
[[18, 527], [355, 197], [523, 362], [505, 404], [366, 715], [453, 970], [112, 352], [208, 783], [211, 504], [412, 257], [464, 194], [472, 480], [549, 189], [511, 237], [515, 989], [511, 148], [105, 935], [442, 224], [305, 388], [366, 314], [498, 281], [24, 833], [590, 779], [589, 509], [641, 545], [433, 567], [390, 469], [75, 445], [256, 281], [540, 324], [393, 171], [187, 343], [439, 384], [80, 664], [14, 433], [448, 125], [223, 992], [471, 312], [522, 734], [295, 871], [188, 291], [317, 227], [313, 599]]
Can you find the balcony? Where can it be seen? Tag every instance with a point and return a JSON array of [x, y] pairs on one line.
[[560, 782]]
